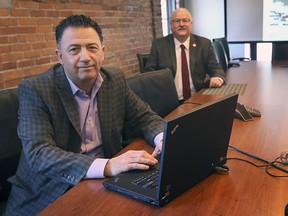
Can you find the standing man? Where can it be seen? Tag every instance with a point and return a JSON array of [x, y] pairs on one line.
[[71, 121], [182, 50]]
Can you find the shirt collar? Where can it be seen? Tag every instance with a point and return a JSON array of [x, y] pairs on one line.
[[186, 43], [97, 84]]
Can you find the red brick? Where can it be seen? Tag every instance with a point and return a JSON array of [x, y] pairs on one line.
[[26, 37], [26, 63], [45, 21], [12, 58], [11, 75], [8, 22], [7, 66], [46, 5], [28, 4], [39, 45], [12, 39], [21, 47], [32, 54], [27, 21], [38, 13], [6, 48], [44, 29], [48, 51], [53, 13], [18, 30], [12, 83], [4, 12], [4, 40], [20, 13], [44, 60]]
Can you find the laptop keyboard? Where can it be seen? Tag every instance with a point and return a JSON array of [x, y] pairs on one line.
[[150, 181]]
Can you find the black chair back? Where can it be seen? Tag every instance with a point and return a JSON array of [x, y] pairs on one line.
[[231, 62], [220, 55], [142, 59], [223, 41], [279, 51], [10, 144], [157, 89]]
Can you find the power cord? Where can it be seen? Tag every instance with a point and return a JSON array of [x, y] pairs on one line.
[[278, 163]]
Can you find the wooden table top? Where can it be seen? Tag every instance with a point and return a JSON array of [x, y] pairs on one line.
[[247, 190]]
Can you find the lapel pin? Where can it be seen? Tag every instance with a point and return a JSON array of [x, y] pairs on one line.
[[194, 45]]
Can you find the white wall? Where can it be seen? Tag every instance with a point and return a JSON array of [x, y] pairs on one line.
[[208, 17], [209, 21]]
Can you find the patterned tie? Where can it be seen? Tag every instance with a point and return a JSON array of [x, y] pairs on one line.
[[185, 75]]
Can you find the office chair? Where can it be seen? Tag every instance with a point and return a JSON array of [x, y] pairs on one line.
[[142, 58], [279, 51], [157, 89], [234, 61], [220, 55], [10, 144]]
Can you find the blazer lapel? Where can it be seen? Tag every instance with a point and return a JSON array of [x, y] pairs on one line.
[[67, 98], [192, 52], [172, 53]]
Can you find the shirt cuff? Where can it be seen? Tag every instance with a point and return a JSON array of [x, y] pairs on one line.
[[158, 138], [96, 169], [222, 81]]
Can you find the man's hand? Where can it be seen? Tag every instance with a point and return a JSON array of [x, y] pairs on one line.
[[129, 160], [215, 82], [158, 149]]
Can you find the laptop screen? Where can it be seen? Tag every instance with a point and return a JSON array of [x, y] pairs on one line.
[[195, 143]]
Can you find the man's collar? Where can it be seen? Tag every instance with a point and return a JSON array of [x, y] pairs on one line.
[[186, 43], [74, 88]]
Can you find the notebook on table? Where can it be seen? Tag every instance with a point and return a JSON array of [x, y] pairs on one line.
[[194, 145]]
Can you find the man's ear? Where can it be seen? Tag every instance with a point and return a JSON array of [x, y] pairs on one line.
[[59, 55], [103, 51]]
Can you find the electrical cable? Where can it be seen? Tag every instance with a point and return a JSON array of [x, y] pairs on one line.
[[266, 164], [249, 155]]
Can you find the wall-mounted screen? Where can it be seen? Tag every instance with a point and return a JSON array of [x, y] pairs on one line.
[[256, 20]]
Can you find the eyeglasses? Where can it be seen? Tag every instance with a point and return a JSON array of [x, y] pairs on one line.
[[178, 21]]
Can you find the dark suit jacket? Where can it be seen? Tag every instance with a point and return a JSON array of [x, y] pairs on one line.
[[49, 129], [202, 58]]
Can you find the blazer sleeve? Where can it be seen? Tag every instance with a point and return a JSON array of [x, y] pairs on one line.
[[214, 68], [152, 62], [124, 109]]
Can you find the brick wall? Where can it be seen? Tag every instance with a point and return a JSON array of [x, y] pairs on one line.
[[27, 41]]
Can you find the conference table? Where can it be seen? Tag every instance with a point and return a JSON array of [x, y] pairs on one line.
[[246, 190]]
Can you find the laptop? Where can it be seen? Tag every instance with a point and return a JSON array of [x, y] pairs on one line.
[[195, 144]]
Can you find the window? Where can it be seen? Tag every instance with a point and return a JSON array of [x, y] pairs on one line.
[[167, 6]]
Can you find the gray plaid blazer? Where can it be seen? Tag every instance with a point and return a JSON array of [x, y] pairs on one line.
[[49, 129]]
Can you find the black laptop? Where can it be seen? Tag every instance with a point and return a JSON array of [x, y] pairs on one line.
[[195, 144]]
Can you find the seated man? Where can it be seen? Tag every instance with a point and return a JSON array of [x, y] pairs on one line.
[[71, 121], [197, 62]]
